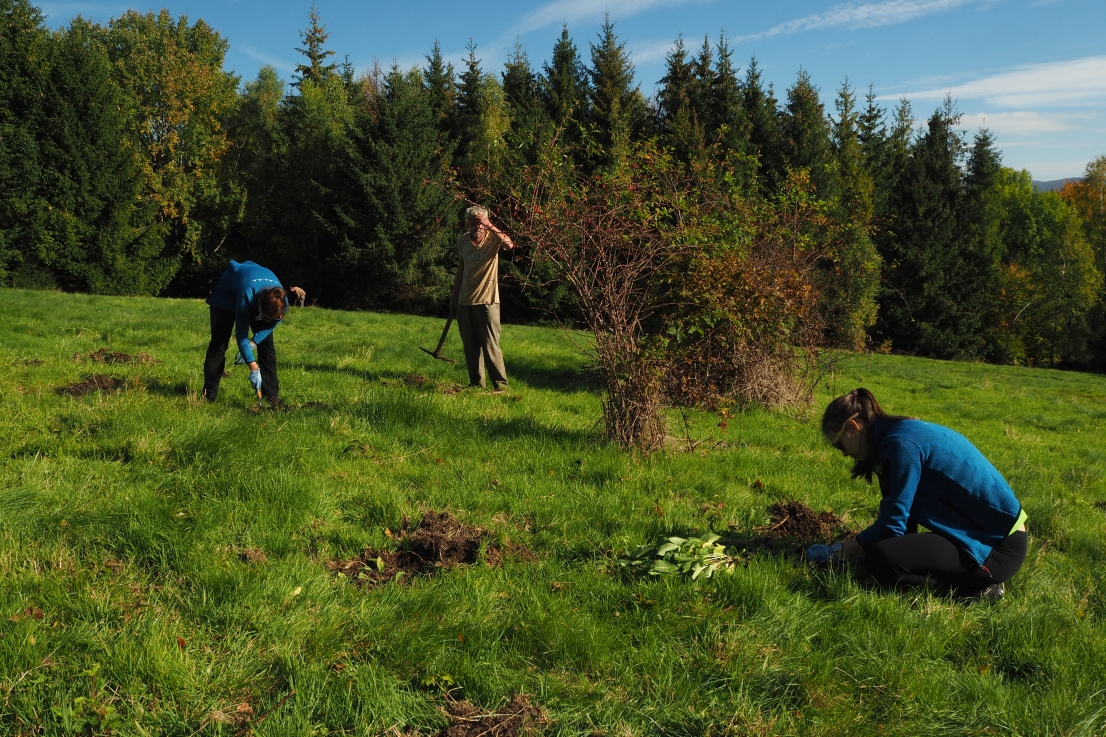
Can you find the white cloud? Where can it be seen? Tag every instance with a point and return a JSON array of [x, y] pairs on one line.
[[859, 15], [1075, 82], [89, 10], [645, 53], [1022, 123], [266, 59], [567, 11]]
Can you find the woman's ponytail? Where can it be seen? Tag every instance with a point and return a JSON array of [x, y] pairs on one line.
[[859, 404]]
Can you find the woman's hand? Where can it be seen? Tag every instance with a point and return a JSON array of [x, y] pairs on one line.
[[845, 550]]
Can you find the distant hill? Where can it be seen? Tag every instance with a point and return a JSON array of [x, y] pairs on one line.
[[1055, 184]]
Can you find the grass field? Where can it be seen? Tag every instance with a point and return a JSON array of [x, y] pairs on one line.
[[129, 604]]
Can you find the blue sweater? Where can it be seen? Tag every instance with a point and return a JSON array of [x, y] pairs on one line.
[[236, 292], [933, 476]]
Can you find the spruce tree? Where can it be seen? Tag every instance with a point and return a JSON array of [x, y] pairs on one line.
[[981, 233], [105, 236], [393, 216], [851, 295], [24, 47], [677, 120], [764, 129], [314, 41], [618, 111], [522, 90], [468, 106], [935, 295], [727, 123], [441, 84], [564, 90], [806, 135]]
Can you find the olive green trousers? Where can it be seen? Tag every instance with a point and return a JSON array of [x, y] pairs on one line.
[[479, 327]]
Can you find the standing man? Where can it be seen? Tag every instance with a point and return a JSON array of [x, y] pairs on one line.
[[475, 300], [247, 297]]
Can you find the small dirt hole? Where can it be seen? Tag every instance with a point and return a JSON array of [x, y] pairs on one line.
[[517, 717], [97, 383]]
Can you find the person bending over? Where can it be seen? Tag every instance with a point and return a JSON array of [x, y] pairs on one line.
[[247, 298], [931, 476], [475, 299]]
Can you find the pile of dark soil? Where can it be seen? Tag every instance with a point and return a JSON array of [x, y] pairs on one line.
[[796, 520], [105, 356], [439, 541], [97, 383], [517, 717], [253, 556], [415, 380]]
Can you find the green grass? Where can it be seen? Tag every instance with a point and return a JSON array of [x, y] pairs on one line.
[[122, 517]]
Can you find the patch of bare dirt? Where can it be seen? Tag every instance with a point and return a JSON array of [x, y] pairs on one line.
[[415, 380], [253, 556], [439, 541], [796, 520], [96, 383], [515, 718], [105, 356]]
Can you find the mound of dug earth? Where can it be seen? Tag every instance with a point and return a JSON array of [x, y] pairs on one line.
[[517, 717], [97, 383], [105, 356], [439, 541], [797, 520]]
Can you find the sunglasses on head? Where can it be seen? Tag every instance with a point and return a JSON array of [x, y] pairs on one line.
[[841, 432]]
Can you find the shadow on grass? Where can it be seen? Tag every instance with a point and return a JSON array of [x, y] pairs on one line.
[[540, 376], [167, 388]]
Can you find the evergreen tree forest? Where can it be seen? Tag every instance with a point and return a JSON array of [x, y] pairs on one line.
[[132, 162]]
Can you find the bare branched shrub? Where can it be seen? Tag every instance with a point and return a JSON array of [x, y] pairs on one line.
[[744, 327], [607, 236], [692, 292]]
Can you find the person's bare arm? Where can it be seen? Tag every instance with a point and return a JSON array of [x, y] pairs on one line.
[[503, 237]]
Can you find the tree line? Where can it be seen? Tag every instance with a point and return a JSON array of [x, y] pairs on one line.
[[132, 162]]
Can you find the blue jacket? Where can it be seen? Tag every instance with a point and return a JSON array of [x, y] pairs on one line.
[[236, 291], [933, 476]]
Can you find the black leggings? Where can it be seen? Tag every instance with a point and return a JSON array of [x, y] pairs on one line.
[[908, 561], [222, 323]]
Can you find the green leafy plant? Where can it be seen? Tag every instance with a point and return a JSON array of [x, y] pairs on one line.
[[698, 557]]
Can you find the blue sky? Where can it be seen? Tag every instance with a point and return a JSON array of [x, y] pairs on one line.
[[1033, 71]]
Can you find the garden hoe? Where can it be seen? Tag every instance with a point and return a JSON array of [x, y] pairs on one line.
[[437, 352]]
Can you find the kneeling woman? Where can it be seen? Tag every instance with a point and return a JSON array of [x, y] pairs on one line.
[[247, 297], [932, 476]]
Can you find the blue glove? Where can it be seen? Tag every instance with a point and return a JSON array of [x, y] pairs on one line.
[[255, 380], [824, 553]]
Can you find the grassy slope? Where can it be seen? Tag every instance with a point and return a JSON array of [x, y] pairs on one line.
[[122, 518]]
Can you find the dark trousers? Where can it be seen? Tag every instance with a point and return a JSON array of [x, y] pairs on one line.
[[908, 561], [222, 324]]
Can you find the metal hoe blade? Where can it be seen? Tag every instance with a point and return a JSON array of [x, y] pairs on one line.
[[437, 352]]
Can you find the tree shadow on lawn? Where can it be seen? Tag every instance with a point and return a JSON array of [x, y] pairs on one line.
[[562, 379], [406, 411], [532, 373], [375, 376]]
